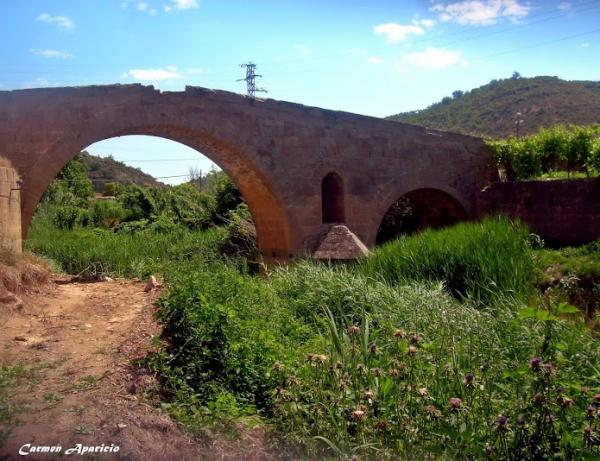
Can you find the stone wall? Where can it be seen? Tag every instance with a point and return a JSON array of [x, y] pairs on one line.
[[10, 209], [565, 212]]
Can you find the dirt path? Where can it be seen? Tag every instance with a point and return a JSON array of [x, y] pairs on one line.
[[75, 343]]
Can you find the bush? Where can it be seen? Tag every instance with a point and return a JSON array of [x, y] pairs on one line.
[[107, 213], [480, 261], [571, 148], [69, 216]]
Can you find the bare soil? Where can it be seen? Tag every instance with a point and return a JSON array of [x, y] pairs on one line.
[[76, 343]]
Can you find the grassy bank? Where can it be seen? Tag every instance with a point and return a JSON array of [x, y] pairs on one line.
[[432, 348]]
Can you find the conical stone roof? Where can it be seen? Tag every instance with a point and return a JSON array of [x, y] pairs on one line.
[[340, 244]]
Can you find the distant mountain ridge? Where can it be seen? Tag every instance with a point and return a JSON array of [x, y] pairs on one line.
[[491, 109], [102, 170]]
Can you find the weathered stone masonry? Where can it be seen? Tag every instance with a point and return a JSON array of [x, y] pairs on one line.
[[563, 212], [276, 152]]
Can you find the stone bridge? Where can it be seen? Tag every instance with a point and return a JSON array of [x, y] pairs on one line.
[[300, 169]]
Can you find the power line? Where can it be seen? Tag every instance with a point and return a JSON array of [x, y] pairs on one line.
[[250, 79]]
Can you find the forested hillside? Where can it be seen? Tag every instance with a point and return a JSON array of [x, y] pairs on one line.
[[491, 109]]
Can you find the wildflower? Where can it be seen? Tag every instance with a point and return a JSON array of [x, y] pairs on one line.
[[590, 412], [321, 358], [596, 398], [469, 378], [501, 422], [373, 348], [412, 350], [382, 425], [310, 357], [368, 395], [447, 369], [394, 373], [377, 372], [489, 449], [293, 380], [565, 402], [560, 389], [353, 330], [535, 363], [282, 393], [414, 339], [432, 411], [585, 390], [358, 415], [521, 421], [339, 365], [539, 398], [455, 403], [361, 368], [278, 366], [550, 418], [548, 368], [423, 392], [399, 334]]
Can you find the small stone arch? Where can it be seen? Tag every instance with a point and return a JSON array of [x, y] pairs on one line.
[[420, 209], [333, 206]]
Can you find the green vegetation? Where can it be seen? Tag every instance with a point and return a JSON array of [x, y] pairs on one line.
[[143, 230], [105, 172], [576, 271], [491, 109], [550, 151], [474, 261], [437, 346]]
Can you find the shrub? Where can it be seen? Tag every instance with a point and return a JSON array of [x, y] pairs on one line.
[[107, 213], [562, 147], [480, 260]]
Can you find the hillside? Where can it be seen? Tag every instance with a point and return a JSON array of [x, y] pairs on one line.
[[106, 169], [490, 109]]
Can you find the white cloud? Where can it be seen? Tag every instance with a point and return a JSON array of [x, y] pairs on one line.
[[142, 6], [374, 60], [194, 71], [481, 12], [153, 75], [431, 58], [397, 32], [302, 49], [51, 53], [585, 45], [181, 5], [64, 22], [564, 6]]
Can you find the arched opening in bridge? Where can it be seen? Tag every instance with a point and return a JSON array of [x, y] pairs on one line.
[[332, 199], [417, 210], [145, 185]]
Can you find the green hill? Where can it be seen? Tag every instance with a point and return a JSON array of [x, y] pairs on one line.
[[490, 110], [102, 170]]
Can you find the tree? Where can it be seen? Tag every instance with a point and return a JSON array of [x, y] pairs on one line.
[[515, 75], [457, 94]]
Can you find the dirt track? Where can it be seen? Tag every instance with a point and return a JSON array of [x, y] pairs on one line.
[[76, 342]]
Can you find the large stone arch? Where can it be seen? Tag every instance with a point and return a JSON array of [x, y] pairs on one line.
[[272, 224]]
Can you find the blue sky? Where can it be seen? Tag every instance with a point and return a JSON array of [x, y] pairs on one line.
[[370, 57]]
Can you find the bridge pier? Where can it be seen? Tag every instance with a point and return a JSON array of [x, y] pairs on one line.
[[10, 208]]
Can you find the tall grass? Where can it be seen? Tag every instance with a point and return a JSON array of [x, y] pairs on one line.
[[99, 251], [475, 260]]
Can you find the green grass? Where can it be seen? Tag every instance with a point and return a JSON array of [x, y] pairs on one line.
[[99, 251], [310, 345], [479, 261]]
